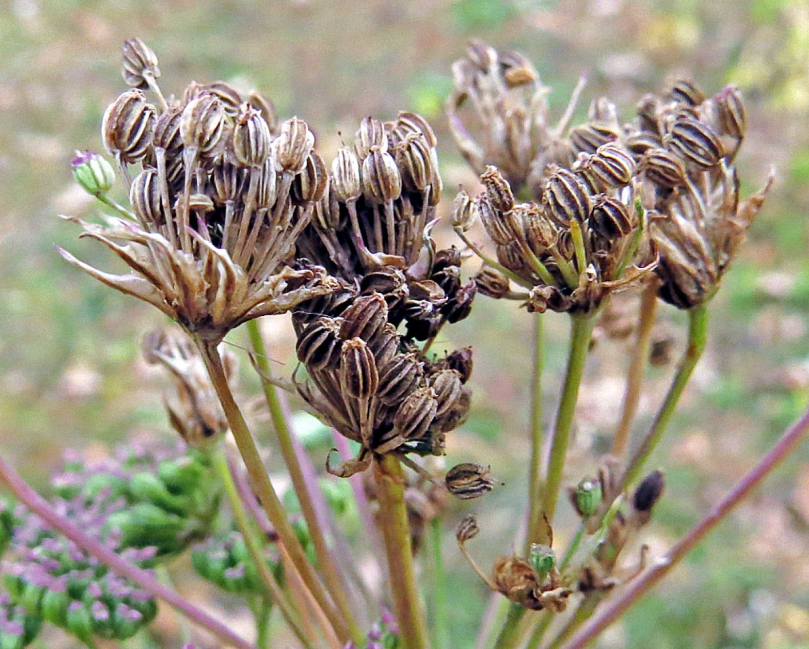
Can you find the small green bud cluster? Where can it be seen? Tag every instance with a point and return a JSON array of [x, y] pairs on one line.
[[225, 561], [93, 173], [17, 628]]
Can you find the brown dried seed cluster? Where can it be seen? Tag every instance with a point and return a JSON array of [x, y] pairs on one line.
[[467, 481], [579, 242], [685, 144], [519, 583], [220, 195], [374, 388], [372, 227]]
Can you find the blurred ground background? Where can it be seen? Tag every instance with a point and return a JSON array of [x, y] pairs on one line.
[[69, 369]]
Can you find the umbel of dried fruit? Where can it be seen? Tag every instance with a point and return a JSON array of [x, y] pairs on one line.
[[220, 195]]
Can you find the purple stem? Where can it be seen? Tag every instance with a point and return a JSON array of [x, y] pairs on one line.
[[615, 607], [249, 498], [363, 507], [37, 504]]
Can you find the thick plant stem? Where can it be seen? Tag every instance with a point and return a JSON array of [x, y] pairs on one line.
[[441, 630], [534, 476], [393, 521], [616, 606], [255, 546], [697, 337], [637, 368], [581, 332], [509, 636], [39, 506], [324, 556], [582, 613], [260, 482], [539, 631]]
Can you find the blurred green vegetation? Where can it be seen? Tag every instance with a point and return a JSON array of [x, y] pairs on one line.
[[69, 372]]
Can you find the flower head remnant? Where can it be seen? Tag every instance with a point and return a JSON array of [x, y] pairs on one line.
[[373, 226], [222, 193]]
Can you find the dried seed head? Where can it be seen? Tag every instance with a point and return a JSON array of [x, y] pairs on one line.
[[139, 61], [461, 361], [695, 142], [359, 378], [515, 578], [93, 173], [202, 124], [588, 137], [414, 157], [227, 181], [447, 387], [266, 107], [145, 196], [345, 174], [311, 184], [467, 481], [319, 345], [663, 168], [415, 414], [267, 185], [370, 134], [463, 213], [467, 529], [459, 306], [408, 123], [648, 492], [498, 191], [381, 180], [519, 71], [251, 137], [128, 125], [610, 166], [586, 497], [730, 112], [399, 377], [603, 110], [293, 146], [364, 318], [685, 92], [565, 197], [385, 344], [611, 219], [496, 223]]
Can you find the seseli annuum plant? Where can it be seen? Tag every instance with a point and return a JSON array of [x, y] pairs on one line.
[[234, 215]]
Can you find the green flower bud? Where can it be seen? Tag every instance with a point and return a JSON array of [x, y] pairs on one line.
[[587, 497], [147, 487], [31, 598], [10, 640], [31, 625], [146, 524], [100, 481], [54, 607], [542, 560], [182, 475], [80, 621], [126, 622], [93, 173]]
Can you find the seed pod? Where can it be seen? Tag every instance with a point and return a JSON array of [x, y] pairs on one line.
[[229, 97], [588, 137], [515, 578], [648, 492], [511, 257], [611, 219], [459, 306], [408, 123], [685, 92], [370, 134], [413, 155], [359, 377], [139, 61], [202, 124], [144, 194], [267, 186], [251, 137], [447, 387], [147, 487], [542, 559], [663, 168], [266, 107], [128, 126], [586, 497], [345, 170], [55, 604], [93, 173], [467, 481], [602, 110], [519, 71], [311, 184], [467, 529], [610, 166], [565, 197], [730, 112], [639, 142], [318, 346], [228, 180], [415, 414], [293, 146], [497, 225], [461, 361], [364, 318], [498, 191], [126, 622], [398, 378], [381, 180], [695, 142], [385, 344]]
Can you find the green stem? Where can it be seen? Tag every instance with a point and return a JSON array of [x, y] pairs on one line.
[[534, 477], [441, 630], [574, 545], [494, 264], [393, 521], [584, 612], [117, 207], [581, 331], [540, 630], [697, 337], [324, 556], [254, 545], [260, 482], [263, 623], [509, 636]]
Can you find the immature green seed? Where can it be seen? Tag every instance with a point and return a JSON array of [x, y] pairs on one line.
[[542, 559], [587, 497]]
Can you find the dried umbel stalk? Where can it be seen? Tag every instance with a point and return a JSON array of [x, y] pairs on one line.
[[685, 145], [374, 388], [372, 228], [581, 241], [220, 195], [193, 407]]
